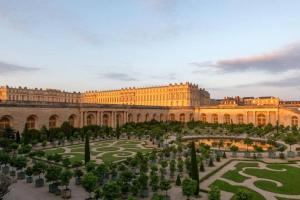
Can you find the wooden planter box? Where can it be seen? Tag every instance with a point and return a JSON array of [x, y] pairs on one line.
[[66, 194], [39, 182], [29, 179]]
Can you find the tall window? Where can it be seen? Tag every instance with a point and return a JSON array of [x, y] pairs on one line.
[[182, 117], [31, 122], [214, 118], [294, 121], [5, 123], [203, 117], [90, 119], [240, 119], [72, 120], [261, 120], [105, 120], [172, 117], [53, 121], [130, 118], [226, 119]]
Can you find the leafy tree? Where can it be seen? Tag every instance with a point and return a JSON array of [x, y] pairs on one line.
[[89, 182], [172, 167], [39, 168], [154, 182], [290, 139], [189, 187], [53, 173], [194, 167], [111, 190], [165, 185], [248, 141], [214, 194], [65, 178], [5, 182], [87, 153]]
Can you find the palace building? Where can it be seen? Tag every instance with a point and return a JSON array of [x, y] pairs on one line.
[[174, 102]]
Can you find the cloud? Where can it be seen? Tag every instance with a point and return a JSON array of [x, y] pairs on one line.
[[170, 76], [280, 60], [118, 76], [8, 68], [286, 82]]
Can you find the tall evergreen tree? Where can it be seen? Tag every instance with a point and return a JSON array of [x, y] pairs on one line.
[[194, 167], [87, 153]]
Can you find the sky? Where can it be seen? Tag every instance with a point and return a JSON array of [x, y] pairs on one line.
[[229, 47]]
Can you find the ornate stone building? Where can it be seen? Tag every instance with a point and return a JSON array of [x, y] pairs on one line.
[[176, 102]]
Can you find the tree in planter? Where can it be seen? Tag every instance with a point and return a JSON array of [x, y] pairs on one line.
[[135, 187], [20, 164], [243, 195], [180, 165], [234, 149], [211, 162], [5, 182], [178, 180], [53, 174], [214, 194], [194, 167], [90, 166], [111, 191], [87, 153], [248, 142], [290, 139], [78, 173], [12, 162], [14, 147], [65, 178], [4, 159], [101, 172], [143, 181], [189, 187], [89, 182], [154, 182], [66, 162], [165, 185], [38, 169], [172, 168], [18, 138], [29, 173]]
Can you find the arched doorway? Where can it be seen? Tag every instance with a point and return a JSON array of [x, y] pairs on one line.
[[105, 120], [130, 118], [53, 121], [192, 117], [294, 121], [240, 118], [227, 119], [138, 118], [161, 117], [31, 122], [72, 120], [172, 117], [214, 118], [147, 117], [261, 120], [203, 117], [182, 117], [90, 120], [5, 122]]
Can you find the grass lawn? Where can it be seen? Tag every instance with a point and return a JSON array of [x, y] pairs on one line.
[[75, 157], [109, 157], [77, 150], [280, 198], [128, 146], [104, 149], [138, 150], [54, 151], [224, 186], [289, 178], [234, 174], [128, 142]]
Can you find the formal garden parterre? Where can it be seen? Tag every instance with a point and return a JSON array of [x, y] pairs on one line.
[[155, 160]]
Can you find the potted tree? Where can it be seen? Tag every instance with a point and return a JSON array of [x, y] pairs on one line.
[[38, 169], [20, 163], [189, 187], [65, 178], [143, 181], [78, 173], [29, 173], [89, 182], [165, 185], [290, 139], [234, 149], [4, 158], [248, 142], [111, 190], [12, 162], [53, 174]]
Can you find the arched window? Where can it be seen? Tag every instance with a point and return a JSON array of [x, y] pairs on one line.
[[147, 117], [226, 119], [105, 120], [138, 118], [53, 121], [90, 120], [240, 119], [172, 117], [214, 118], [154, 117], [72, 120], [161, 117], [191, 117], [203, 117], [31, 122], [130, 118], [261, 120], [119, 120], [294, 121], [5, 122], [182, 117]]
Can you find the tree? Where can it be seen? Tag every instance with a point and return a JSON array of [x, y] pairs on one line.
[[39, 168], [18, 138], [154, 181], [53, 173], [172, 167], [243, 195], [87, 153], [202, 169], [214, 194], [111, 190], [89, 182], [5, 182], [165, 185], [290, 139], [248, 141], [65, 178], [189, 187], [194, 167], [178, 180]]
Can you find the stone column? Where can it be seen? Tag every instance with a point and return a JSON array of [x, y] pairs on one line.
[[97, 118], [100, 118]]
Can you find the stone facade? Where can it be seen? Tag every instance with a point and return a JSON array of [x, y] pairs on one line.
[[183, 94], [56, 107]]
